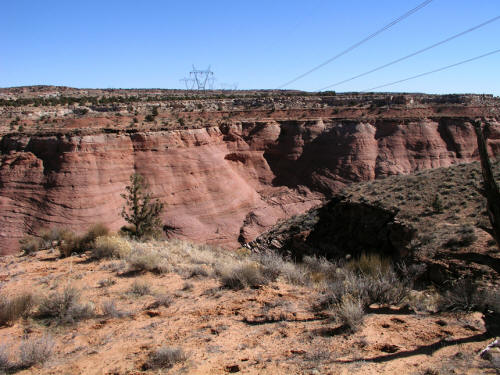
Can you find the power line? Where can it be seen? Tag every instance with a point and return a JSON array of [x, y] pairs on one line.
[[433, 71], [414, 53], [371, 36]]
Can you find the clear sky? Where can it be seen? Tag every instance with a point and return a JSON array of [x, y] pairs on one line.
[[254, 43]]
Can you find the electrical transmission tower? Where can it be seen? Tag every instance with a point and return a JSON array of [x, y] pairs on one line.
[[189, 82], [202, 77]]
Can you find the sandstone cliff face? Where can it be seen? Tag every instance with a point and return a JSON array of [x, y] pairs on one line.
[[220, 184]]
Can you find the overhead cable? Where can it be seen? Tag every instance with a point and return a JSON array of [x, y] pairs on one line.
[[413, 54], [354, 46]]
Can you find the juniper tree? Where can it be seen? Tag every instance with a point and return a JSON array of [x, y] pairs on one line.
[[140, 210]]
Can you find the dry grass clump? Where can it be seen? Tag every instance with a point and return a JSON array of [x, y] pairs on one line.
[[468, 295], [75, 244], [55, 236], [367, 283], [466, 236], [370, 264], [65, 307], [166, 357], [30, 244], [110, 247], [140, 288], [13, 308], [104, 283], [349, 312], [109, 309], [5, 363], [163, 300], [144, 257], [241, 274], [274, 265], [33, 352]]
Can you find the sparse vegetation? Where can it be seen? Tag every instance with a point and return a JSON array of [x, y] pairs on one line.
[[349, 311], [74, 243], [139, 288], [35, 351], [110, 310], [166, 357], [5, 363], [13, 308], [111, 247], [143, 259], [30, 244], [239, 275], [65, 307]]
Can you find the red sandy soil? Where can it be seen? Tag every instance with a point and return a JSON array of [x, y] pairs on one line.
[[271, 330]]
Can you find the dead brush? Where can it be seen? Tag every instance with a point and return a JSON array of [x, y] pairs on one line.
[[240, 275], [110, 247], [142, 258], [65, 307], [165, 357], [369, 264], [33, 352], [109, 309], [349, 312], [77, 244], [13, 308], [140, 288], [5, 363]]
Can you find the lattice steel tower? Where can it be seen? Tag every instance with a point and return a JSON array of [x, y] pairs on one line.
[[201, 77]]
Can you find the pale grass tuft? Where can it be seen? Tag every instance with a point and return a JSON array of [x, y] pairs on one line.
[[111, 247], [33, 352], [145, 257], [241, 274], [349, 312]]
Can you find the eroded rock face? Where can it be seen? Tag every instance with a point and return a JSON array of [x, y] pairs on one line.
[[338, 228], [220, 184]]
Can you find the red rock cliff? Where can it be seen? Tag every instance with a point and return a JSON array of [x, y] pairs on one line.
[[220, 184]]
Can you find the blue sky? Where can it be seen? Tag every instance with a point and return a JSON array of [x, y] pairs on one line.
[[256, 44]]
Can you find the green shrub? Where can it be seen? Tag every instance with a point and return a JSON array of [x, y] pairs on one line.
[[140, 210], [437, 204]]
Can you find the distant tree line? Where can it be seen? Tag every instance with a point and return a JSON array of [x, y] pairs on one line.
[[102, 100]]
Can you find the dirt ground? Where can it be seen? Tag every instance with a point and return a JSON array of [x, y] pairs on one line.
[[269, 330]]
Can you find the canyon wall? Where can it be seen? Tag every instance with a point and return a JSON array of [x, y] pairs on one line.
[[220, 184]]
